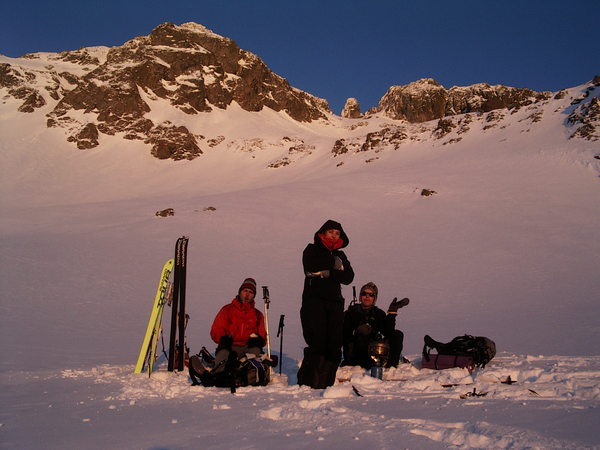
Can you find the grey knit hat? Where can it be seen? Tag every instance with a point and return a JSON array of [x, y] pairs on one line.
[[248, 283], [372, 286]]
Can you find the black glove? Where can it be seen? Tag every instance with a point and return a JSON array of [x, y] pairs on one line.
[[226, 342], [338, 264], [397, 304], [255, 341], [271, 362], [364, 329]]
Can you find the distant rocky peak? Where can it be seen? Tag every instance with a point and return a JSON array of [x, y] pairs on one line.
[[351, 109], [190, 36], [188, 66], [426, 100]]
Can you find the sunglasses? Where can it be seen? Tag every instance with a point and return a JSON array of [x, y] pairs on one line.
[[367, 294]]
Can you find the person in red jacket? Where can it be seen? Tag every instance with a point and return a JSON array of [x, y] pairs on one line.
[[239, 326]]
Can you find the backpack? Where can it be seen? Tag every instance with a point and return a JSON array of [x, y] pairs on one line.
[[235, 372], [476, 351]]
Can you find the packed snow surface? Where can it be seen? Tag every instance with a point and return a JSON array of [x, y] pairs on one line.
[[508, 247]]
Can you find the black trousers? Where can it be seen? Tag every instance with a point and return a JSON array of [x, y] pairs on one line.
[[322, 322]]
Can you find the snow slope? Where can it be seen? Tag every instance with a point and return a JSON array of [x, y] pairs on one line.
[[508, 248]]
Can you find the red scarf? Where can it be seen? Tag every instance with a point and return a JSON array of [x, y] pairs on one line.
[[331, 245]]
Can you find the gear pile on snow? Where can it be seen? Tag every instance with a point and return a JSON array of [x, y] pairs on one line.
[[462, 351]]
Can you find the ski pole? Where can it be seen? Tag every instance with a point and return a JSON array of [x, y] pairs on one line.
[[280, 336], [353, 295], [267, 301]]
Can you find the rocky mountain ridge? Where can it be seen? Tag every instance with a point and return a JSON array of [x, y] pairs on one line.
[[99, 91], [188, 65], [426, 99], [583, 119]]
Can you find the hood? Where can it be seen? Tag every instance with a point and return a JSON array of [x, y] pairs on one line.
[[332, 224]]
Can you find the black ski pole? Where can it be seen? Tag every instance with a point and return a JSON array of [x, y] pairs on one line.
[[353, 295], [280, 336]]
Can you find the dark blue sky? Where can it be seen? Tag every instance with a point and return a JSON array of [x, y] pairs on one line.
[[339, 49]]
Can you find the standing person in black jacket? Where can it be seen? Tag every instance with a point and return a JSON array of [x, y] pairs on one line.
[[322, 312], [365, 323]]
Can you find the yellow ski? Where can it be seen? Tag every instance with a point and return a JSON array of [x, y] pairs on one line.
[[148, 351]]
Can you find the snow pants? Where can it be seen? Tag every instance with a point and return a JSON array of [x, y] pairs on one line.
[[322, 322]]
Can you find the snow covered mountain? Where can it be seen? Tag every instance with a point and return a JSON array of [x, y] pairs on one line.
[[479, 203], [96, 92]]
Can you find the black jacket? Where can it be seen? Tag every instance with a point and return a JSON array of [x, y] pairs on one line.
[[317, 257], [381, 323]]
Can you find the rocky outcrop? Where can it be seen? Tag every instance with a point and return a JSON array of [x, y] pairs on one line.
[[18, 85], [172, 142], [86, 138], [388, 137], [585, 118], [419, 101], [351, 109], [426, 100], [165, 212], [484, 98], [187, 66]]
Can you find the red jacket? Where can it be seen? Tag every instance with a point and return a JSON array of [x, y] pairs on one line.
[[239, 320]]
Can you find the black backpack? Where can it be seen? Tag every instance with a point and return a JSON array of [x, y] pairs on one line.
[[236, 371], [480, 348]]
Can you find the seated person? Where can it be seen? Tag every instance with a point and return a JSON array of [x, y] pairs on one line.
[[238, 329], [365, 323], [239, 326]]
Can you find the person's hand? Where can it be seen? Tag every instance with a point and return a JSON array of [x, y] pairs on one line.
[[255, 341], [319, 274], [338, 264], [397, 304], [226, 341], [364, 329]]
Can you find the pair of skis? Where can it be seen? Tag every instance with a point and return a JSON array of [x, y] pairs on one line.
[[173, 294], [177, 348]]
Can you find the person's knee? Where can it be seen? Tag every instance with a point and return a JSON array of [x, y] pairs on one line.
[[398, 336]]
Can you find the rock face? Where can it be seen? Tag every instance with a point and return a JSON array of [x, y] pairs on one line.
[[419, 101], [189, 66], [426, 100], [351, 109], [585, 118]]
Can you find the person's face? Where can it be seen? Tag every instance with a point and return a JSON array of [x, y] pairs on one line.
[[367, 298], [246, 295], [332, 235]]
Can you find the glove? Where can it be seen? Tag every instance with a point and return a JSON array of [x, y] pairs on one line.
[[397, 304], [320, 274], [255, 341], [364, 329], [338, 264], [226, 342]]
